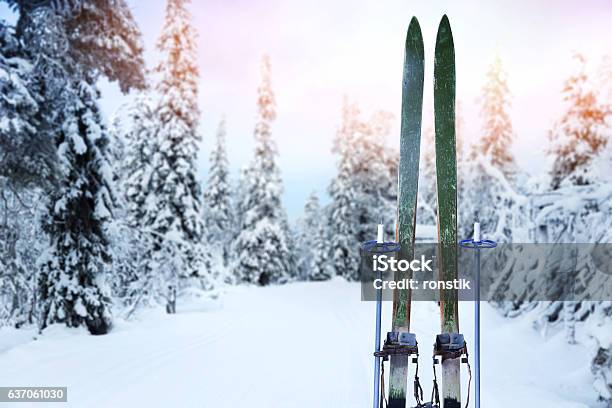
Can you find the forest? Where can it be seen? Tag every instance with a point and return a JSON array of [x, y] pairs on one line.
[[103, 218]]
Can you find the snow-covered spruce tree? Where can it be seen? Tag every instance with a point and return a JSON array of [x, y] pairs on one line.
[[364, 191], [488, 173], [320, 266], [134, 282], [174, 216], [74, 40], [71, 282], [263, 245], [486, 194], [26, 156], [26, 159], [291, 254], [308, 227], [218, 215], [240, 203], [95, 30], [497, 134], [375, 185], [578, 137], [504, 217], [465, 226], [375, 176], [72, 286], [118, 233], [138, 135], [21, 242], [341, 211]]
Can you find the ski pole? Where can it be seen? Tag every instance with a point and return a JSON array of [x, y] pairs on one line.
[[377, 348], [477, 244], [379, 240], [378, 247], [477, 318]]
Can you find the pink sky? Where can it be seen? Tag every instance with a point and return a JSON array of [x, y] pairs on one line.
[[322, 49]]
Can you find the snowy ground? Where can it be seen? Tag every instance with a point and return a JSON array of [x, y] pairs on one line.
[[302, 345]]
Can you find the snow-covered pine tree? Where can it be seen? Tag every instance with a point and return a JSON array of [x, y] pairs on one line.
[[375, 186], [497, 133], [74, 40], [134, 280], [375, 175], [112, 44], [341, 212], [308, 228], [140, 143], [290, 244], [218, 215], [26, 156], [364, 190], [488, 173], [503, 218], [101, 36], [21, 242], [174, 216], [118, 232], [240, 203], [320, 266], [579, 136], [71, 281], [263, 245]]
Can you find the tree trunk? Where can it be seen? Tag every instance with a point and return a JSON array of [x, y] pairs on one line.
[[171, 303]]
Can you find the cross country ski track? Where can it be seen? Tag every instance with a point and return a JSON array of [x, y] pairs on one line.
[[301, 345]]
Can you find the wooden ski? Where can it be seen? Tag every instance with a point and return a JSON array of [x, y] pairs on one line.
[[446, 174], [410, 144]]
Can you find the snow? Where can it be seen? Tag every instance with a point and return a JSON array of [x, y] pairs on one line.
[[292, 346], [79, 144], [426, 233], [80, 309]]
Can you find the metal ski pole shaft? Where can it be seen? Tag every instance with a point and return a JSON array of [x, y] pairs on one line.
[[477, 330], [377, 390], [477, 314], [378, 247], [377, 347], [477, 244]]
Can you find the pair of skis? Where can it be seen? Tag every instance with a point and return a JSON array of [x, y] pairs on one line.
[[447, 347]]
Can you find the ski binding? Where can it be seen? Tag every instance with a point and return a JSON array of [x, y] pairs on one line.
[[449, 346], [399, 344]]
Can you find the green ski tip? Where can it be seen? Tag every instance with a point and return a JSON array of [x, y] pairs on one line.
[[445, 35], [414, 43]]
